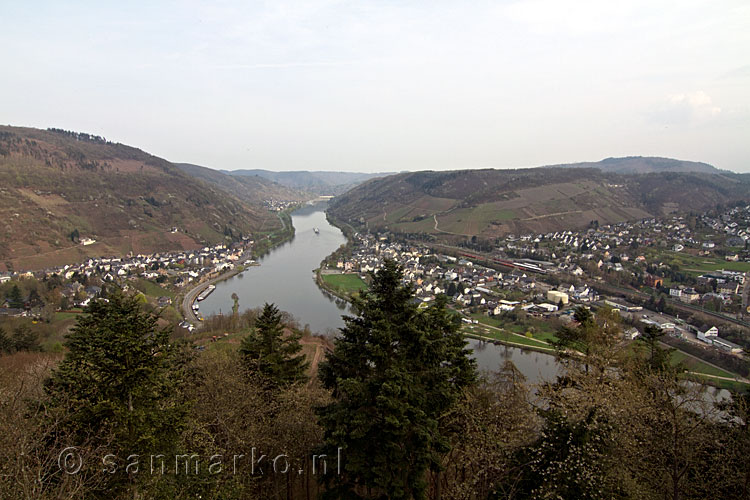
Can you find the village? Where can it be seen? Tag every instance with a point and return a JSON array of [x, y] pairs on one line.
[[650, 271], [664, 265], [168, 272]]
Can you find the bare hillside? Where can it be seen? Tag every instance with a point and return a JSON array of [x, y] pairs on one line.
[[61, 190], [491, 203]]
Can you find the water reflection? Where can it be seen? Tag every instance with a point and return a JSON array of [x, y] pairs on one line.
[[535, 366], [285, 275], [286, 278]]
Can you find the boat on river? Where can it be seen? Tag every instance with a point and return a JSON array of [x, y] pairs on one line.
[[205, 293]]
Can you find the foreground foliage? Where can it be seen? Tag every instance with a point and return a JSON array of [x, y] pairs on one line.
[[398, 396], [267, 352], [393, 374]]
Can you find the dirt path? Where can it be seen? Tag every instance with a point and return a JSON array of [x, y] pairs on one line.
[[319, 351], [537, 217], [434, 216]]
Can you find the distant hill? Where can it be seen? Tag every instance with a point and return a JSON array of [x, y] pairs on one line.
[[318, 183], [252, 189], [644, 165], [491, 203], [59, 188]]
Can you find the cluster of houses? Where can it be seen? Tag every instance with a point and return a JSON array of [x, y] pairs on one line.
[[275, 205], [467, 284], [176, 269], [724, 283], [473, 286], [601, 243]]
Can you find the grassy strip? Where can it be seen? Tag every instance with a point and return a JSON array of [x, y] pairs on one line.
[[152, 289], [346, 283], [62, 316], [542, 332], [730, 385], [694, 365], [506, 337]]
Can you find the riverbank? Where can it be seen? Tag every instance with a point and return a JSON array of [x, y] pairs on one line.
[[276, 238], [329, 289], [538, 338], [261, 248], [187, 300], [520, 342]]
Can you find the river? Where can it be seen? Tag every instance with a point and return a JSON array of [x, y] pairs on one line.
[[285, 277]]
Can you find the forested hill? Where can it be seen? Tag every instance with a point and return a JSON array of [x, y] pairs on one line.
[[491, 203], [59, 188], [645, 165], [316, 182], [249, 188]]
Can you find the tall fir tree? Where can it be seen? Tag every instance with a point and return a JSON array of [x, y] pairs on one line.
[[25, 339], [120, 380], [394, 372], [657, 358], [272, 355], [6, 344], [14, 298]]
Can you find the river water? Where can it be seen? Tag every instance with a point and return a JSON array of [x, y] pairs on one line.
[[285, 277]]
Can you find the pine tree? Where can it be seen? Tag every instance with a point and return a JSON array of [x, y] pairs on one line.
[[121, 377], [658, 358], [6, 344], [24, 339], [267, 352], [14, 298], [394, 372]]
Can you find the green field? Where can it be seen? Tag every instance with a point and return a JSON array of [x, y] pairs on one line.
[[513, 332], [347, 283], [152, 289], [694, 365], [62, 316], [541, 329], [702, 264], [504, 336]]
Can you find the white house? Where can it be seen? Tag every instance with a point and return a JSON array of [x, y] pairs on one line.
[[632, 333], [709, 335]]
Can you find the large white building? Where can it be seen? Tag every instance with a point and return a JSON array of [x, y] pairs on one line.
[[555, 297], [709, 335]]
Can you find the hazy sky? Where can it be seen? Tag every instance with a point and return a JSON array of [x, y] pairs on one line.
[[386, 85]]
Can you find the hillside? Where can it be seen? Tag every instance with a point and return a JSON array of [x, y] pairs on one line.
[[318, 183], [644, 165], [492, 203], [59, 188], [251, 189]]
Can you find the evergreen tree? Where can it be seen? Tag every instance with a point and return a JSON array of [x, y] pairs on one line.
[[394, 372], [266, 351], [6, 344], [658, 358], [35, 300], [120, 380], [24, 339], [14, 298]]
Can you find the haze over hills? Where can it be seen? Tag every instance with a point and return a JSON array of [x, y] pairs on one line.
[[644, 165], [251, 189], [57, 187], [491, 203], [319, 183]]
